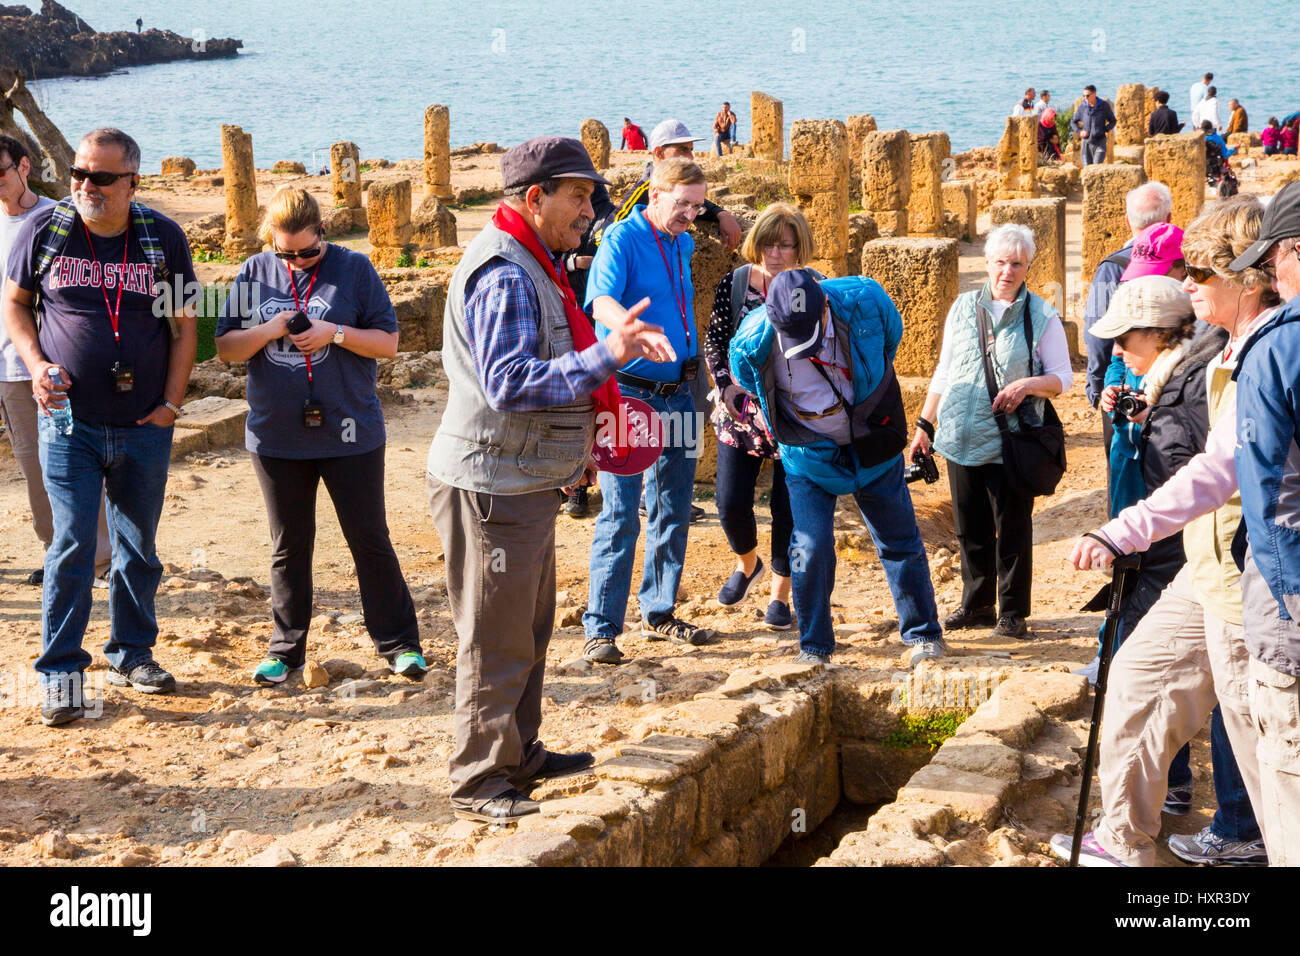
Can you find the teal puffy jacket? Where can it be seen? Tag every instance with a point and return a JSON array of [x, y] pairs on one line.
[[865, 319]]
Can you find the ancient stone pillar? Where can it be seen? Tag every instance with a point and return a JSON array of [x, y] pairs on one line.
[[437, 151], [767, 120], [1130, 118], [389, 212], [1178, 161], [819, 179], [858, 127], [1104, 228], [345, 180], [1018, 158], [595, 137], [925, 201], [433, 225], [1148, 106], [959, 203], [241, 193], [1046, 219], [920, 275], [887, 179]]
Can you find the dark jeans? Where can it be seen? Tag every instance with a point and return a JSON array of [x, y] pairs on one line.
[[356, 486], [996, 534], [737, 475], [1235, 818]]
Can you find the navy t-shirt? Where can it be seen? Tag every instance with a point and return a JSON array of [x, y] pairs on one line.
[[76, 332], [347, 292]]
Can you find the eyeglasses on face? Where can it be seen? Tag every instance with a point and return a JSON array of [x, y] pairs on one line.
[[99, 177], [1199, 274], [682, 205], [781, 247]]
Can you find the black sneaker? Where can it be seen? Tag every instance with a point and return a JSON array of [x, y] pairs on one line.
[[602, 650], [563, 765], [506, 808], [676, 630], [696, 513], [962, 618], [1011, 626], [576, 504], [146, 677], [36, 578]]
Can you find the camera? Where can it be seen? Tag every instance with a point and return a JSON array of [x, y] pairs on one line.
[[1128, 404], [690, 369], [925, 468]]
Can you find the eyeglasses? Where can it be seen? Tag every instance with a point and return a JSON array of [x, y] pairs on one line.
[[1199, 274], [99, 177], [303, 254], [5, 169], [681, 205], [779, 247]]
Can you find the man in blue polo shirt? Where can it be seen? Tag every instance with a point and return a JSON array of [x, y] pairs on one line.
[[642, 270]]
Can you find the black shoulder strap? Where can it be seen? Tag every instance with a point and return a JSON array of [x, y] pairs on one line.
[[986, 345], [1121, 257]]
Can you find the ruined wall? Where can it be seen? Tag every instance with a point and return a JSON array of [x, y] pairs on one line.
[[1178, 161], [959, 208], [887, 179], [1046, 219], [1130, 115], [767, 120], [1104, 228], [925, 200], [1018, 159]]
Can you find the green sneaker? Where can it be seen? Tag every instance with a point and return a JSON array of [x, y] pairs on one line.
[[271, 671], [411, 665]]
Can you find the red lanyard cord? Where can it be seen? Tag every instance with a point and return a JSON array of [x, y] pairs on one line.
[[114, 314], [293, 287], [681, 286]]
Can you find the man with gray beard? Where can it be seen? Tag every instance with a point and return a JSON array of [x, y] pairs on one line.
[[89, 266]]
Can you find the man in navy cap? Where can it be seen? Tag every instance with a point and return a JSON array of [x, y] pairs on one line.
[[526, 378], [819, 355]]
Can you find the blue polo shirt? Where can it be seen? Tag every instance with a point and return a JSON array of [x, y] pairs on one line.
[[628, 267]]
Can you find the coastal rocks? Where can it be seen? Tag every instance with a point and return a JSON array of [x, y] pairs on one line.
[[433, 224], [1178, 161], [595, 139], [241, 194], [1018, 159], [388, 209], [437, 151], [178, 166], [1130, 115], [419, 307], [767, 120], [925, 200], [1046, 219], [207, 233], [920, 275], [819, 179], [887, 179], [345, 183], [1104, 227]]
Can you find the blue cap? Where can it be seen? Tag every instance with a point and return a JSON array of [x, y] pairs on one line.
[[795, 301]]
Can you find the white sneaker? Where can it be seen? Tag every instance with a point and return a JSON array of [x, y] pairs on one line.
[[1090, 671]]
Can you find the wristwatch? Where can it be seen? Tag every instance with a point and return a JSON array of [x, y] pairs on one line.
[[176, 409], [338, 336]]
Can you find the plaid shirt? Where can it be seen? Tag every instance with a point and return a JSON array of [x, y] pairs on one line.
[[501, 320]]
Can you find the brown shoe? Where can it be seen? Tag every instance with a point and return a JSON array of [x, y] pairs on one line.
[[1011, 626]]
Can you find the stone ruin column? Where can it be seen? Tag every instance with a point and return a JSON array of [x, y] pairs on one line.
[[920, 275], [389, 212], [1105, 188], [241, 194], [595, 138], [925, 201], [345, 180], [1148, 106], [1178, 161], [437, 151], [819, 179], [1018, 158], [887, 179], [858, 126], [1130, 118], [1046, 219], [960, 212], [767, 120]]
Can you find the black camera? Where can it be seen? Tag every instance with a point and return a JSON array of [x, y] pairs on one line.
[[690, 369], [298, 323], [1128, 404], [925, 468]]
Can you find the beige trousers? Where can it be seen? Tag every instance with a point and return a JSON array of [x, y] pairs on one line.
[[1164, 682], [1275, 705]]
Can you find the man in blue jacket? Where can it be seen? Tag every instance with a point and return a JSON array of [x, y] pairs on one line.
[[1268, 473], [1092, 120], [818, 356]]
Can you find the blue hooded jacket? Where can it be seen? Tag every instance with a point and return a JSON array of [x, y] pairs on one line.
[[865, 319]]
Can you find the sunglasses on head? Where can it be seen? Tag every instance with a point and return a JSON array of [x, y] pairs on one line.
[[99, 177], [1199, 274]]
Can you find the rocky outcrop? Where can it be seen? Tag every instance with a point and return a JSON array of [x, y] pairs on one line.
[[57, 42]]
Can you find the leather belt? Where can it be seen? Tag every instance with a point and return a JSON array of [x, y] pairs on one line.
[[650, 385]]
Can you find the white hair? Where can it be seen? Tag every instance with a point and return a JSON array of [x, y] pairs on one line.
[[1008, 237], [1148, 204]]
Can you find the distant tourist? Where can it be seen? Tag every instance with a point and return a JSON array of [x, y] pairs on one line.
[[1270, 137], [724, 125], [1025, 105], [1163, 120], [1207, 109], [633, 136], [1199, 90], [1044, 99], [1290, 136], [1238, 122], [139, 24], [1049, 140], [1092, 121]]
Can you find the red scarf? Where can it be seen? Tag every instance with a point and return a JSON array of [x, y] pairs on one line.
[[606, 396]]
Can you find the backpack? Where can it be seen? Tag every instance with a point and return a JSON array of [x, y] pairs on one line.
[[55, 237]]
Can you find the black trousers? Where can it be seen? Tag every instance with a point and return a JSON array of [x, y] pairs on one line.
[[734, 493], [356, 486], [996, 535]]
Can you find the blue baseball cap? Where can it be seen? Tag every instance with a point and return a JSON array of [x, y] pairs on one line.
[[795, 301]]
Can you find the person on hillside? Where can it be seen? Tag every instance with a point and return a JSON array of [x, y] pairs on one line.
[[1238, 122], [723, 124], [781, 239], [1093, 119], [992, 519], [1199, 90], [1207, 110], [818, 354], [1049, 140], [633, 136], [1270, 137], [1163, 120]]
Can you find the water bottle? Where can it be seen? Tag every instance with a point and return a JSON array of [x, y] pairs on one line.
[[62, 414]]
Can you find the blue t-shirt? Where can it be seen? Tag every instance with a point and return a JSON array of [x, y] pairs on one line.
[[628, 267], [347, 292], [76, 332]]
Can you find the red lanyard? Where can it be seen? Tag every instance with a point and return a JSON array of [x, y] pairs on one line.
[[681, 287], [848, 371], [114, 313], [293, 287]]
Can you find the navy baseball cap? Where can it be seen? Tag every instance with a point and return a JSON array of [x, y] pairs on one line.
[[795, 301], [547, 157]]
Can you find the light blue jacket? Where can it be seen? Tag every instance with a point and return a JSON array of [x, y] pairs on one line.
[[866, 320]]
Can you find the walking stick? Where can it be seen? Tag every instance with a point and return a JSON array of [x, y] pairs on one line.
[[1123, 566]]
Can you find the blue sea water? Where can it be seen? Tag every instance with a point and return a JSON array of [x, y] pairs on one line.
[[312, 73]]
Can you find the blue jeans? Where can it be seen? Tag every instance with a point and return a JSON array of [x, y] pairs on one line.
[[886, 507], [669, 484], [1235, 818], [129, 462]]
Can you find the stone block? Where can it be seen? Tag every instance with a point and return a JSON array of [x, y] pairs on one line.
[[608, 808], [1235, 140], [1018, 158], [437, 151], [819, 180], [739, 769], [595, 139], [433, 226], [959, 201], [925, 200], [862, 229], [533, 849], [782, 737], [389, 213], [345, 174], [1104, 228], [414, 317], [887, 177], [890, 222], [722, 850], [1046, 220], [221, 420], [1055, 693], [872, 772], [622, 843], [878, 848], [241, 193], [920, 275], [867, 703], [1148, 104], [767, 121], [641, 770], [716, 719], [287, 167], [1012, 720], [689, 753], [669, 821], [858, 126], [816, 785], [178, 166], [764, 827], [971, 796], [184, 442], [1130, 115], [1178, 161], [980, 753], [911, 819], [1129, 155], [580, 826]]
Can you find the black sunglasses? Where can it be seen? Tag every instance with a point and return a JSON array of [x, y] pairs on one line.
[[99, 177], [1199, 274], [304, 254]]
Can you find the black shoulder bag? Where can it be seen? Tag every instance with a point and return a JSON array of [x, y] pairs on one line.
[[884, 433], [1033, 457]]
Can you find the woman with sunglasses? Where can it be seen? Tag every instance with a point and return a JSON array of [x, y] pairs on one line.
[[317, 318], [993, 520], [781, 239]]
